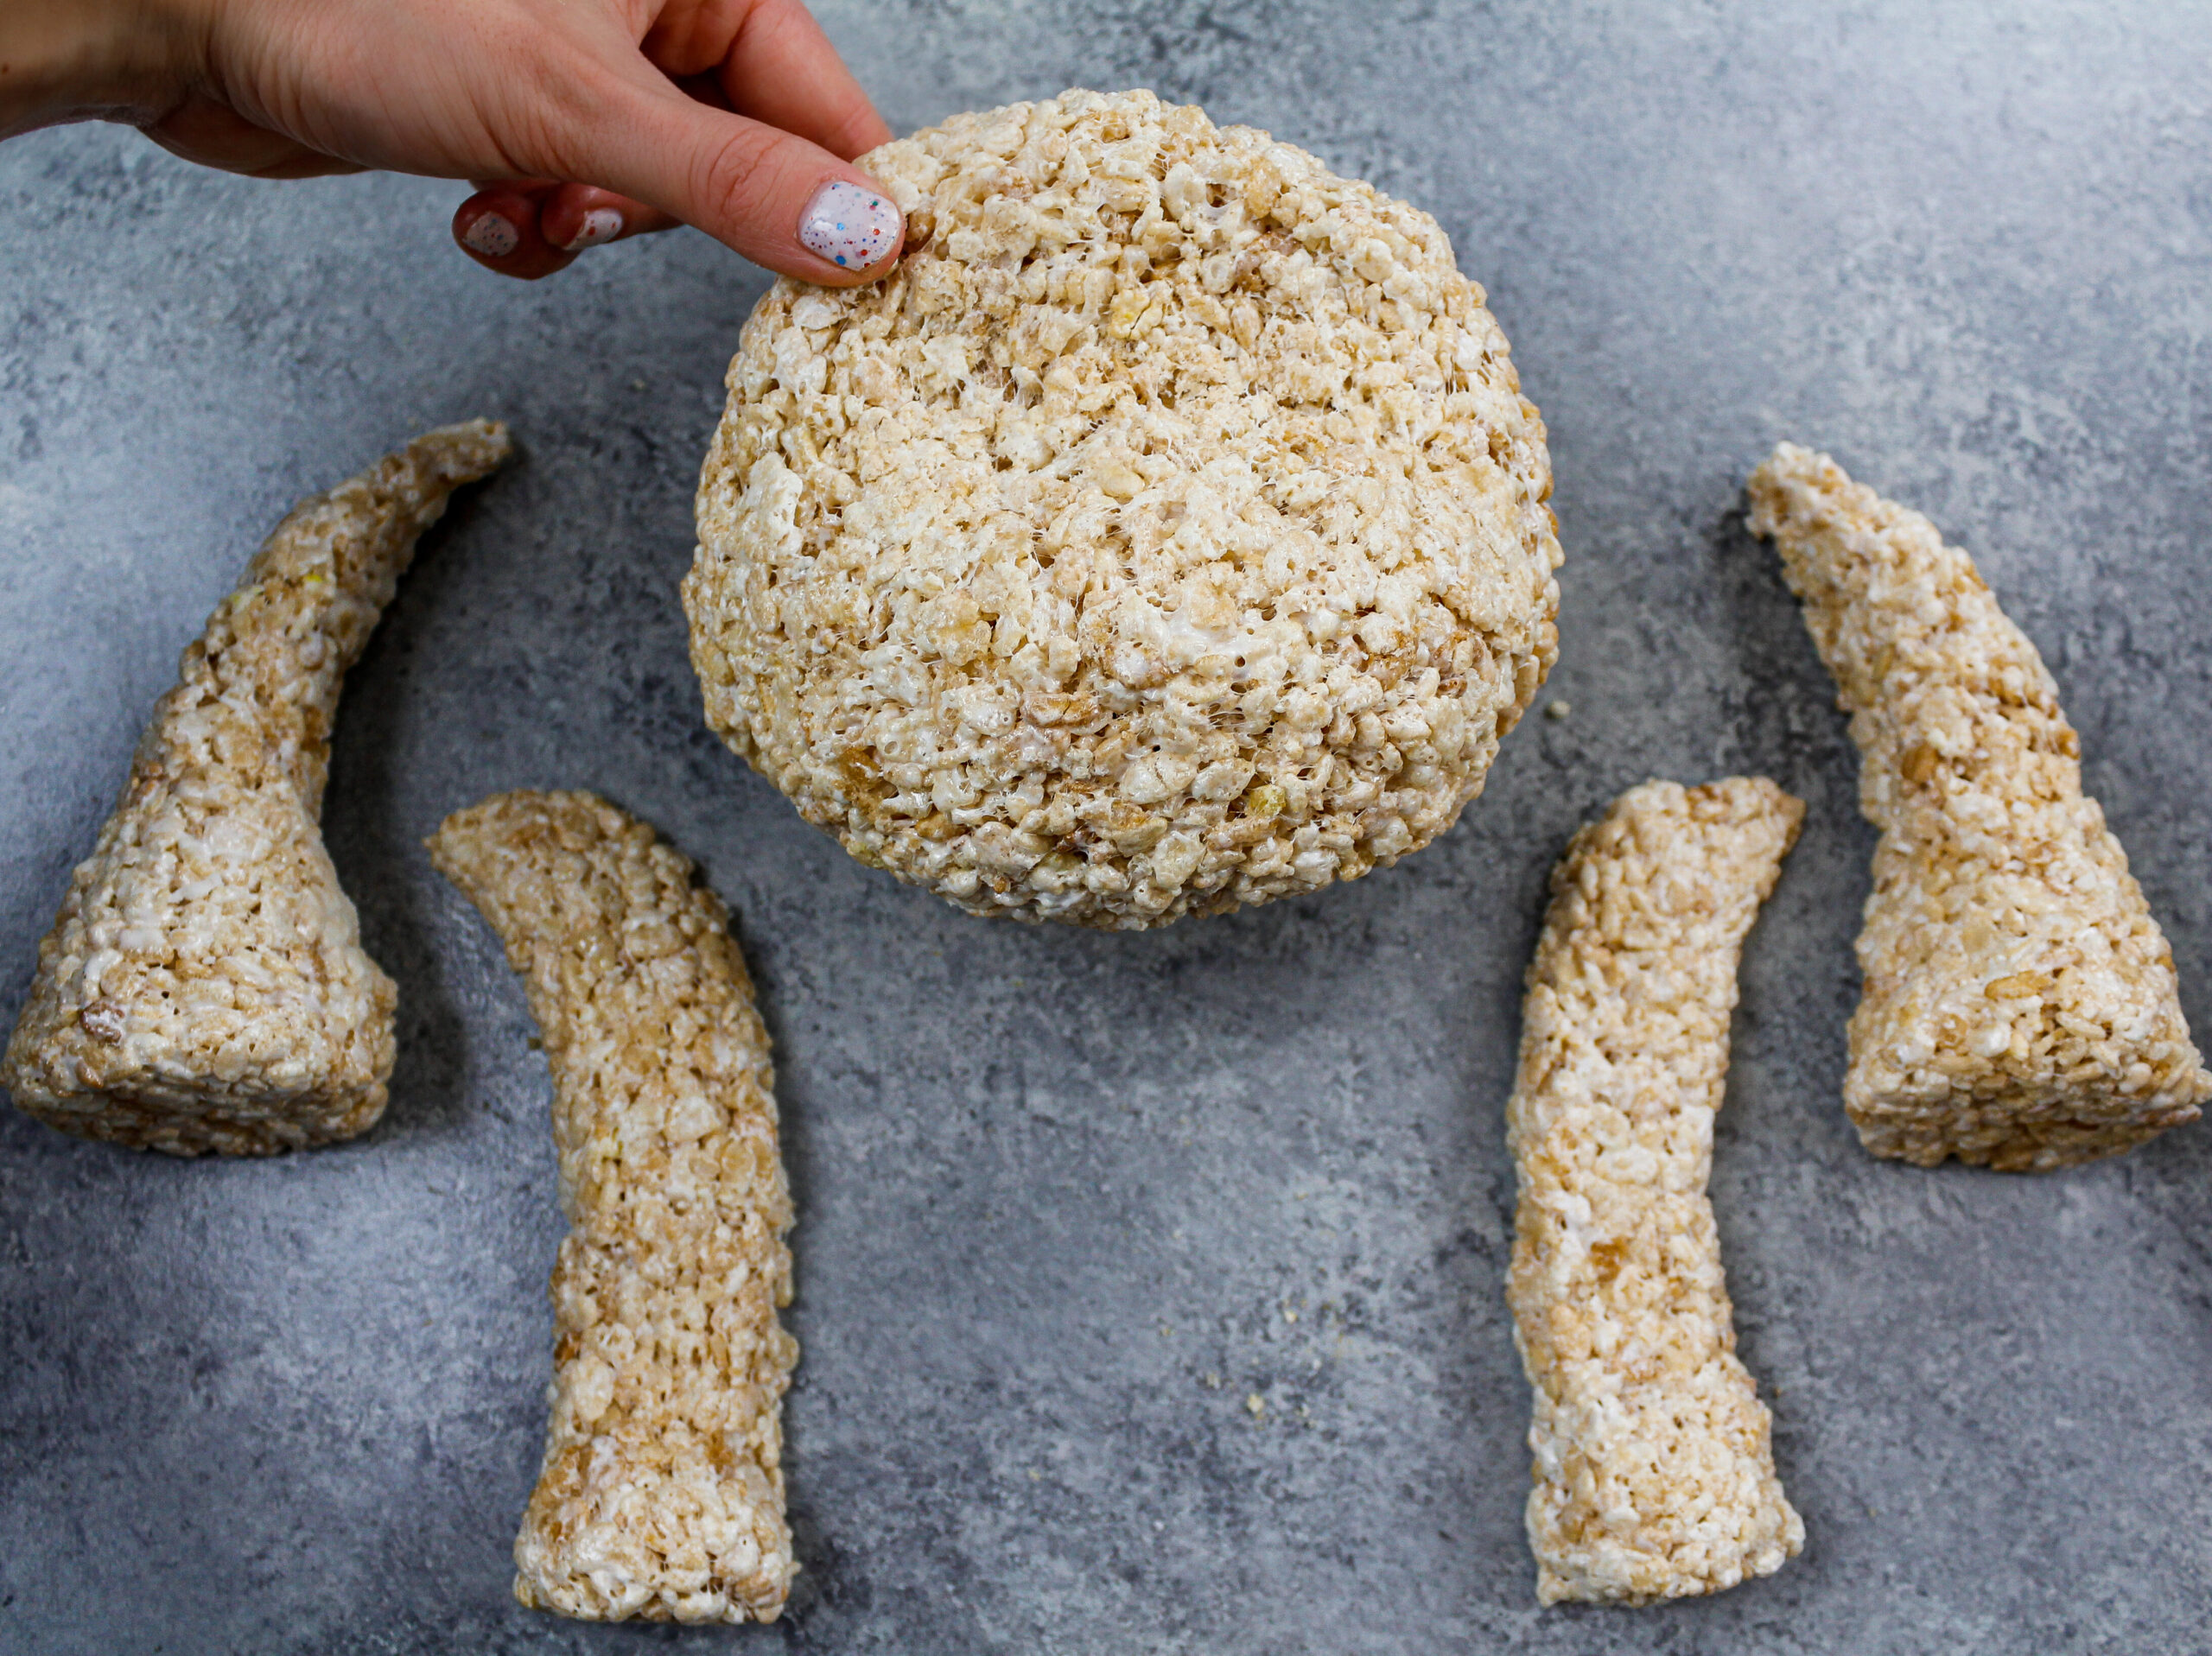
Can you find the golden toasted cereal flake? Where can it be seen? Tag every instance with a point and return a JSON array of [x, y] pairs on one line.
[[2020, 1007], [662, 1493], [1166, 533], [204, 987], [1654, 1476]]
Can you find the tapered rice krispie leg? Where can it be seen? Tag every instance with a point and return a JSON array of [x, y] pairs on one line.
[[205, 988], [662, 1494], [2020, 1005], [1654, 1467]]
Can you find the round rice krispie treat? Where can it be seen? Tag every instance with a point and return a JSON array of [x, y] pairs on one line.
[[1166, 533]]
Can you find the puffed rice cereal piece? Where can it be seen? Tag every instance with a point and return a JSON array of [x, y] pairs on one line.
[[204, 987], [2020, 1008], [661, 1492], [1654, 1476], [1165, 534]]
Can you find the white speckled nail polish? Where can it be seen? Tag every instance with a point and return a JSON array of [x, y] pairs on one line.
[[601, 224], [492, 235], [850, 226]]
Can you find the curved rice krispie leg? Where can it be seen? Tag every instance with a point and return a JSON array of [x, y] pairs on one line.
[[661, 1494], [205, 988], [1653, 1468], [2020, 1005]]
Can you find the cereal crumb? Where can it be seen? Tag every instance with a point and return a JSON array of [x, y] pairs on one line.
[[1558, 709]]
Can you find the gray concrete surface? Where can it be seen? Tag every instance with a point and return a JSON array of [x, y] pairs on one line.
[[1061, 1192]]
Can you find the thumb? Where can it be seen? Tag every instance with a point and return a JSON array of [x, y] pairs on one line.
[[775, 198]]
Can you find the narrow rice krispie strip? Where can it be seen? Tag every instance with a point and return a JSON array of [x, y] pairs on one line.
[[1654, 1467], [662, 1493], [205, 987], [2020, 1007]]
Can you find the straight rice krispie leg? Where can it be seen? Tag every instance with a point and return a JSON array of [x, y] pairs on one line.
[[2020, 1005], [1654, 1466], [662, 1494], [205, 988]]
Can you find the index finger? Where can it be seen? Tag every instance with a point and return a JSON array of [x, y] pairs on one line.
[[775, 66]]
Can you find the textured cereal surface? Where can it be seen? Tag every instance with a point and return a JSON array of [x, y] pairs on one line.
[[2020, 1007], [1167, 534], [1654, 1475], [204, 987], [662, 1493]]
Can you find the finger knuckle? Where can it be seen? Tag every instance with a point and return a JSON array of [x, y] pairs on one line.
[[738, 174]]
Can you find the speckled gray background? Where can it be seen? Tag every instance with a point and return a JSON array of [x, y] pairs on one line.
[[1061, 1192]]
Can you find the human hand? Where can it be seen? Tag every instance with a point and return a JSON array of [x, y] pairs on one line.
[[579, 121]]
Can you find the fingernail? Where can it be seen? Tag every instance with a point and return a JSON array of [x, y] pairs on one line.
[[850, 226], [601, 224], [492, 235]]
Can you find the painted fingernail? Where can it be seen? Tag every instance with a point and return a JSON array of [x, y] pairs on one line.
[[850, 226], [492, 235], [601, 224]]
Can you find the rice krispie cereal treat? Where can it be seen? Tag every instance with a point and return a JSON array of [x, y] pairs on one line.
[[1654, 1474], [662, 1493], [2020, 1007], [205, 987], [1166, 533]]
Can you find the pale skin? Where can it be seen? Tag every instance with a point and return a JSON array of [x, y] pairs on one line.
[[577, 122]]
